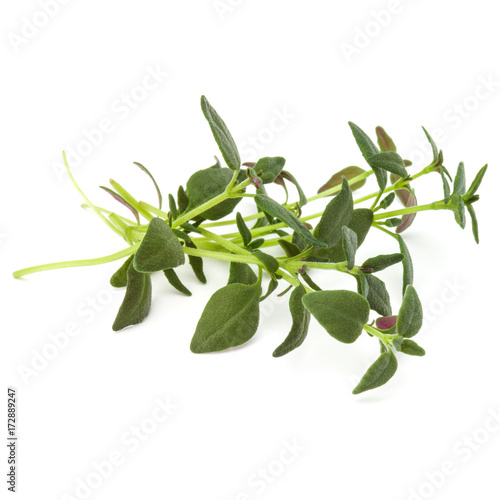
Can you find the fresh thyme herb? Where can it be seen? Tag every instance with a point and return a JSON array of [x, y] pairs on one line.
[[231, 316]]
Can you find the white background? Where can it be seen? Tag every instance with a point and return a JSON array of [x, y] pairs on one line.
[[235, 410]]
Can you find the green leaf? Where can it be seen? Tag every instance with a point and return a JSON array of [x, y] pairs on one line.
[[384, 140], [341, 313], [217, 163], [182, 200], [268, 168], [119, 279], [290, 248], [196, 263], [397, 342], [337, 213], [230, 318], [241, 273], [459, 210], [349, 245], [255, 244], [365, 144], [446, 187], [172, 206], [274, 209], [299, 242], [349, 173], [387, 201], [412, 348], [273, 284], [390, 161], [363, 286], [310, 282], [174, 280], [459, 182], [137, 301], [411, 315], [270, 263], [368, 149], [381, 262], [407, 263], [378, 296], [245, 233], [301, 318], [222, 136], [475, 183], [393, 222], [379, 373], [435, 151], [361, 223], [160, 249], [473, 219], [206, 184]]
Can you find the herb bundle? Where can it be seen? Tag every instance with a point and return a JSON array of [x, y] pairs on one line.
[[231, 316]]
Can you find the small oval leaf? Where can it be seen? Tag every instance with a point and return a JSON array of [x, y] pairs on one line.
[[160, 249], [411, 315], [341, 313], [301, 318], [230, 318], [379, 373]]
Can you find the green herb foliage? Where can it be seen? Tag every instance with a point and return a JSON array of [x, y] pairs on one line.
[[280, 248]]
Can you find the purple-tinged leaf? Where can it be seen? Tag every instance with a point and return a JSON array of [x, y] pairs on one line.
[[349, 173], [254, 178], [386, 322], [143, 168], [118, 198], [384, 140], [408, 218], [289, 177]]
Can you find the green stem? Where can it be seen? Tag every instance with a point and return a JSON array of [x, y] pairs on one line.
[[230, 257], [156, 211], [332, 266], [223, 242], [228, 193], [385, 338], [401, 183], [77, 263], [89, 203], [336, 189], [259, 215], [384, 230], [127, 234], [437, 205], [109, 212], [130, 199]]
